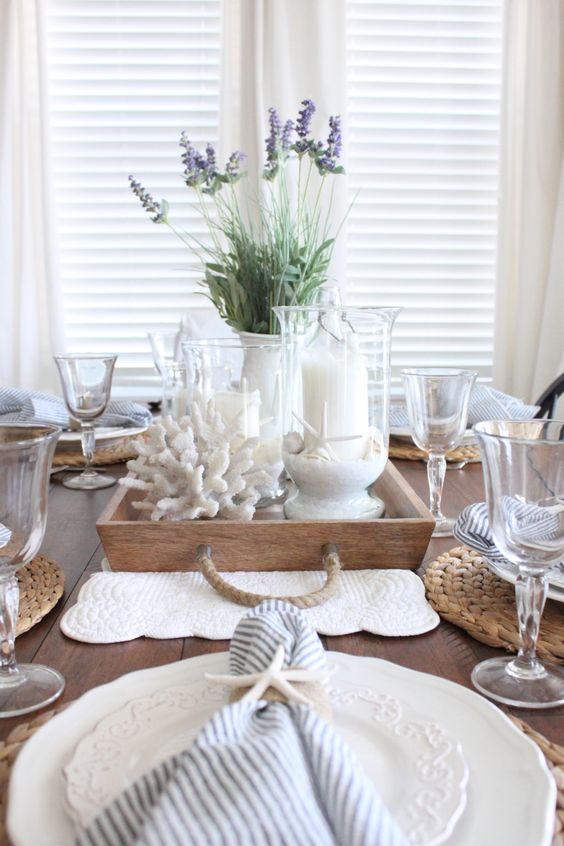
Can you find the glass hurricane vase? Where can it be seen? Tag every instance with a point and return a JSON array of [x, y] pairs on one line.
[[242, 377], [336, 380]]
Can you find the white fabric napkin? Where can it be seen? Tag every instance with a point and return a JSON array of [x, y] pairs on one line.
[[485, 404], [113, 607], [260, 773], [21, 406]]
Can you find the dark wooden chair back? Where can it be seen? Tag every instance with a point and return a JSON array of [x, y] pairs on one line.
[[550, 397]]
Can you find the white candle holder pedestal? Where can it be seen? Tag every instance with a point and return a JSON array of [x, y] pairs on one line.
[[244, 381], [336, 379]]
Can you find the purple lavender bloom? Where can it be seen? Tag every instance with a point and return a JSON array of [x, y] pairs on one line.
[[272, 144], [149, 204], [210, 162], [195, 165], [304, 120], [303, 125], [328, 161], [232, 168], [286, 136]]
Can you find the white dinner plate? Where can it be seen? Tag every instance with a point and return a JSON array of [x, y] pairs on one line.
[[413, 758], [508, 572], [510, 795], [103, 433]]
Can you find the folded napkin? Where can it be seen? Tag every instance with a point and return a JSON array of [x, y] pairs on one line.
[[113, 607], [20, 406], [485, 404], [5, 535], [529, 523], [260, 772]]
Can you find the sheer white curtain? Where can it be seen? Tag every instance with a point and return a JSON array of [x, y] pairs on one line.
[[31, 314], [529, 336], [277, 54]]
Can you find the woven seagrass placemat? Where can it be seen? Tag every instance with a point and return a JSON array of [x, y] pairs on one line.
[[462, 589], [408, 451], [117, 453], [10, 748], [42, 583]]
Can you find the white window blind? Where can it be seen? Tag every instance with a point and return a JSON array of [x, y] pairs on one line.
[[125, 78], [424, 103]]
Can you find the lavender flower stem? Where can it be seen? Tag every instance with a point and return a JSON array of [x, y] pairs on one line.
[[298, 213], [206, 215]]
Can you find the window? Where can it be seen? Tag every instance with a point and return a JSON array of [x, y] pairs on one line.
[[126, 76], [424, 84]]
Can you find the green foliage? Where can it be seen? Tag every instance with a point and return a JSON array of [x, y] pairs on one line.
[[283, 257]]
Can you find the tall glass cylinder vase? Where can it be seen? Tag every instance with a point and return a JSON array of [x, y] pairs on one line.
[[243, 380], [336, 384]]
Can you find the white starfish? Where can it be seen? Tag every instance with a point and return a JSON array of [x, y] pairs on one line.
[[274, 676], [320, 438]]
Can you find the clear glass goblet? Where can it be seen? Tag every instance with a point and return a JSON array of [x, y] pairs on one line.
[[437, 407], [26, 452], [86, 380], [165, 347], [523, 466]]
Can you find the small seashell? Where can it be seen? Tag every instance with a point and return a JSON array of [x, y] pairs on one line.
[[293, 443]]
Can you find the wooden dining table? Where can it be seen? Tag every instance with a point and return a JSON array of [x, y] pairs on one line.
[[72, 540]]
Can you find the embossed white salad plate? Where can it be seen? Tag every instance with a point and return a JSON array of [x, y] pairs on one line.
[[420, 766], [510, 794]]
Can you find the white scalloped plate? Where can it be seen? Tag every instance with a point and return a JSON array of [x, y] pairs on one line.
[[403, 433], [103, 433], [419, 766], [510, 794]]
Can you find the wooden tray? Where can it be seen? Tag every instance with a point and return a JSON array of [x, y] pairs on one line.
[[269, 542]]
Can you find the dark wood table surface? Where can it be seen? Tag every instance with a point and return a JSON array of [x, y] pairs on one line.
[[72, 540]]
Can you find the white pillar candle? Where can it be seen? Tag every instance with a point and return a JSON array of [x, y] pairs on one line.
[[240, 410], [335, 398]]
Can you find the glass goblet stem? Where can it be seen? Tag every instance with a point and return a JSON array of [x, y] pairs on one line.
[[9, 603], [88, 442], [530, 594], [436, 467]]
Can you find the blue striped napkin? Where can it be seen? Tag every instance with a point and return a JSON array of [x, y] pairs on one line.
[[485, 404], [529, 523], [259, 773], [5, 535], [21, 406]]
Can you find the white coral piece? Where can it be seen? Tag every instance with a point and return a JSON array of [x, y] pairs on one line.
[[194, 468]]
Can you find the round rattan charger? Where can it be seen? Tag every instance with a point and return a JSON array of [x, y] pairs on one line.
[[41, 583], [464, 591], [408, 451]]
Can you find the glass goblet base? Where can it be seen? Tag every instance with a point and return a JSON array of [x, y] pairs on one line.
[[32, 687], [443, 528], [90, 480], [544, 689]]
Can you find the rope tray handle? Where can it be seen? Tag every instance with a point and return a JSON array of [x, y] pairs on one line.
[[331, 565]]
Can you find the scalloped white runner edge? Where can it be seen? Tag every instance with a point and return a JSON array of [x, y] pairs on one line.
[[113, 607]]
